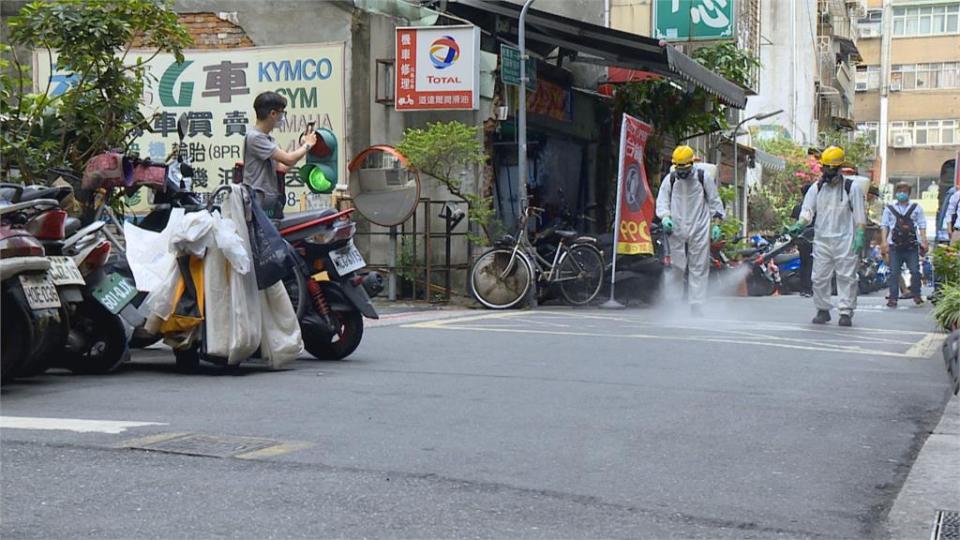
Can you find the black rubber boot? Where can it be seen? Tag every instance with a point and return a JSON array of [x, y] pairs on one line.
[[823, 317], [846, 320]]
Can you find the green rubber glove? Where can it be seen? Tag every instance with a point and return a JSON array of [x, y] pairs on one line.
[[796, 228], [715, 233], [667, 224], [859, 240]]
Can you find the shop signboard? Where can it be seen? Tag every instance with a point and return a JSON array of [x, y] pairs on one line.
[[636, 205], [694, 20], [510, 67], [216, 89], [438, 68]]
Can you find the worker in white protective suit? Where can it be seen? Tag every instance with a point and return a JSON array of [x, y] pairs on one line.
[[839, 206], [687, 203]]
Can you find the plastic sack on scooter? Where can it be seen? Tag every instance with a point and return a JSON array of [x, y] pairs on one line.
[[281, 342], [194, 235], [234, 321], [148, 252]]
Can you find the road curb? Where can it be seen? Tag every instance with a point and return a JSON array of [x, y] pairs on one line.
[[934, 480]]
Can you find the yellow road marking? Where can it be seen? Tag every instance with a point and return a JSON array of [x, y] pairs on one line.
[[275, 450], [927, 346], [151, 439]]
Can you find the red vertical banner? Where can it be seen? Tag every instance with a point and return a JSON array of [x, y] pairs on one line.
[[637, 206]]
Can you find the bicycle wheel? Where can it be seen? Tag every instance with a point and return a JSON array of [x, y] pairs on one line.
[[498, 280], [581, 274]]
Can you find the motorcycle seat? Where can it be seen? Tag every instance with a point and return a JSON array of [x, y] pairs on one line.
[[56, 193], [304, 217], [784, 258]]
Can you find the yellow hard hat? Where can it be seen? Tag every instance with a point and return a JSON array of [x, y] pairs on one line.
[[683, 156], [832, 157]]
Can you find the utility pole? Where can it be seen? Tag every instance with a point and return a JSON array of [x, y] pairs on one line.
[[522, 109], [886, 37]]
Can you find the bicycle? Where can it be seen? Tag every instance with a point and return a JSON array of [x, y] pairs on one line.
[[502, 276]]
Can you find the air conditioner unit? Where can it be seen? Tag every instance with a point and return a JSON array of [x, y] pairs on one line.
[[902, 140], [895, 87], [869, 31]]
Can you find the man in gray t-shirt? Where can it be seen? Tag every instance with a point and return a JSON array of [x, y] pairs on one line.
[[261, 154]]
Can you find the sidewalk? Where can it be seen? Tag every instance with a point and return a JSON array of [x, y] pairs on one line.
[[934, 480]]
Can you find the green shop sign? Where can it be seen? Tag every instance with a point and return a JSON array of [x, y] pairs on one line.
[[693, 20]]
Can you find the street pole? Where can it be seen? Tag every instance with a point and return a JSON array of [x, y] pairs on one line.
[[522, 109]]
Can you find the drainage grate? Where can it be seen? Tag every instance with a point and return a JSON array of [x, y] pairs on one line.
[[946, 525], [195, 444]]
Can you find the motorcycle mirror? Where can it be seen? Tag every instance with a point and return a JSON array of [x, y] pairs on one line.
[[182, 126]]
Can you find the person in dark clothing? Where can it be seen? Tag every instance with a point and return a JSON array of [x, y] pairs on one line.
[[806, 253]]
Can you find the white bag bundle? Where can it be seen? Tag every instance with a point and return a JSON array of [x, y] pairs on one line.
[[233, 303], [281, 342]]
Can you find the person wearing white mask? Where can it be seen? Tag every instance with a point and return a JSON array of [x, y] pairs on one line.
[[261, 153]]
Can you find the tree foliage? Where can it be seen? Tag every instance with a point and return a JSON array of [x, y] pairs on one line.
[[680, 111], [446, 151], [92, 40]]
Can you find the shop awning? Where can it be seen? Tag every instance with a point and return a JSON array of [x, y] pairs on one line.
[[590, 43]]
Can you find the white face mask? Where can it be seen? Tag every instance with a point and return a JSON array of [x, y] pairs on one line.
[[283, 121]]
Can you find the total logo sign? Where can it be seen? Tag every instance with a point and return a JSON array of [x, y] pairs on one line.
[[438, 67]]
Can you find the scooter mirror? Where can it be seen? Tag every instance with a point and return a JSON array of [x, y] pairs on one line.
[[182, 126]]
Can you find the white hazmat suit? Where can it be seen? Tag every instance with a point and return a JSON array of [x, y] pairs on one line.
[[838, 217], [691, 207]]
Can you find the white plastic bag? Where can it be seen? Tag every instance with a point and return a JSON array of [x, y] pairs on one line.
[[281, 342], [148, 252], [193, 236], [229, 243], [242, 318]]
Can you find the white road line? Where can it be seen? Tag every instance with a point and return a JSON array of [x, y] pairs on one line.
[[70, 424]]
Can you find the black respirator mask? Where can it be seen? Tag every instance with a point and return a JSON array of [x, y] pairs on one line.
[[683, 172], [830, 174]]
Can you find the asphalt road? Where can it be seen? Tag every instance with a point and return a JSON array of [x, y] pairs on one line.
[[751, 423]]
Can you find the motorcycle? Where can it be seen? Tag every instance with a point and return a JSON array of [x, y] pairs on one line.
[[34, 321], [638, 277], [327, 287], [98, 306]]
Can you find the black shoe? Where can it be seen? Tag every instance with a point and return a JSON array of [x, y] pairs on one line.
[[823, 317], [891, 303], [696, 311], [918, 300], [846, 320]]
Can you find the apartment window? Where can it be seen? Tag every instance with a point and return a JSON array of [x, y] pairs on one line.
[[868, 78], [924, 76], [926, 20], [927, 132], [870, 129]]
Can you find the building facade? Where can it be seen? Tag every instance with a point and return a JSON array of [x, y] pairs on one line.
[[788, 79], [908, 87], [837, 58]]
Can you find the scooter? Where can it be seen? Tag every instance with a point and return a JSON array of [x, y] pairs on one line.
[[34, 322], [98, 305], [638, 277], [327, 286]]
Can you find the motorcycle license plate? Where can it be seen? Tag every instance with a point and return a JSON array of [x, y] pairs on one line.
[[64, 271], [347, 259], [114, 293], [40, 291]]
